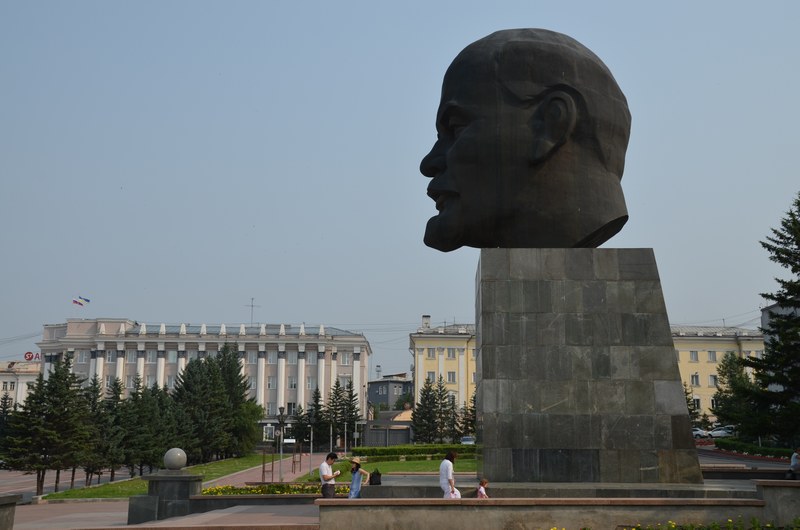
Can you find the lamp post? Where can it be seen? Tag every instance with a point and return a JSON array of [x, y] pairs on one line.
[[281, 423], [311, 449]]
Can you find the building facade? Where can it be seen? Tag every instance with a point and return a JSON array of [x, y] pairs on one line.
[[16, 379], [284, 364], [383, 393], [700, 350], [448, 351]]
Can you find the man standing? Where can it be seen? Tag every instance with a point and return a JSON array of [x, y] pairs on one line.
[[328, 476]]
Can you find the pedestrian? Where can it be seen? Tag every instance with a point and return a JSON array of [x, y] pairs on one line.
[[794, 463], [482, 489], [446, 479], [328, 476], [355, 484]]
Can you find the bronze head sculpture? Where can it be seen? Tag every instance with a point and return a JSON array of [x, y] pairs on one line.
[[532, 132]]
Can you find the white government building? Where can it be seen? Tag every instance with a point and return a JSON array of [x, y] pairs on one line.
[[284, 364]]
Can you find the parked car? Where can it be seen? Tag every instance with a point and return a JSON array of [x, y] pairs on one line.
[[468, 440], [720, 432], [697, 432]]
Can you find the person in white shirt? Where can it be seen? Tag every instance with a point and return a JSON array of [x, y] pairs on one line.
[[446, 479], [328, 476]]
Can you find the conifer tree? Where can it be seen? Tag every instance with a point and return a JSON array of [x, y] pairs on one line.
[[777, 373], [424, 416]]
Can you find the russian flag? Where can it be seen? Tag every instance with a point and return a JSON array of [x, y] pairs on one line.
[[77, 302]]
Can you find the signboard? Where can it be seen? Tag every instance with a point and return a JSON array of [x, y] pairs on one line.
[[30, 356]]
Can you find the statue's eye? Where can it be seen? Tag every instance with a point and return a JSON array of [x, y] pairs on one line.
[[455, 125]]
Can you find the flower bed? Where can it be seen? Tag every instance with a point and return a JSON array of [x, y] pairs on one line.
[[274, 488]]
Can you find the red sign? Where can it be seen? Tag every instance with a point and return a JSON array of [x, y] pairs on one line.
[[30, 356]]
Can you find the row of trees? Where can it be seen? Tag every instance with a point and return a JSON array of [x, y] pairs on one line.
[[335, 420], [66, 424], [437, 418], [762, 395]]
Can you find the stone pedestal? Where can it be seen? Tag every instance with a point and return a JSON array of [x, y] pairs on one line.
[[579, 380], [8, 504], [167, 496]]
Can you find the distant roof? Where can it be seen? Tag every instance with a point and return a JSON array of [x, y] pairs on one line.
[[233, 329], [713, 331], [450, 329]]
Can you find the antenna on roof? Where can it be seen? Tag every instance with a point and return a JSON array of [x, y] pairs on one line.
[[251, 305]]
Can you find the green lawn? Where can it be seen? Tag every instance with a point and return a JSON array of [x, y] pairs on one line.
[[123, 488], [211, 471]]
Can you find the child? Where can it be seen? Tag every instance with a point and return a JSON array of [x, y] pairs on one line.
[[482, 489]]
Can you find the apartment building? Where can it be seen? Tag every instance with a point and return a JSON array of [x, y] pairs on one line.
[[284, 364], [16, 379], [700, 350], [448, 351]]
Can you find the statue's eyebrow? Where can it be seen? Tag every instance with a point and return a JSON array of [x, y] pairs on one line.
[[448, 109]]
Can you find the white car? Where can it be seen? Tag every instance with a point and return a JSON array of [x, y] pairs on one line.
[[720, 432], [468, 440], [697, 432]]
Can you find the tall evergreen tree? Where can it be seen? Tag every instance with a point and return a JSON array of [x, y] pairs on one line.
[[446, 416], [6, 408], [734, 401], [317, 419], [243, 411], [468, 417], [423, 418], [93, 458], [352, 412], [777, 373], [113, 428]]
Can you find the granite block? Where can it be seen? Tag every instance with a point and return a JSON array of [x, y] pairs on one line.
[[639, 397], [579, 264], [494, 264], [536, 296], [669, 397], [649, 298], [578, 329], [637, 264], [550, 329], [594, 297], [601, 362], [606, 264], [607, 397]]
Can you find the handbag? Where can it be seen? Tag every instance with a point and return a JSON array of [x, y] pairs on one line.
[[375, 478]]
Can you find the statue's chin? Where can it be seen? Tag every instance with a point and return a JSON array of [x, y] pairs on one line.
[[440, 236]]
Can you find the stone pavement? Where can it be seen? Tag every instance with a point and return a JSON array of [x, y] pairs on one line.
[[95, 514]]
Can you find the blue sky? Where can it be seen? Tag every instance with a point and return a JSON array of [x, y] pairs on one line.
[[172, 160]]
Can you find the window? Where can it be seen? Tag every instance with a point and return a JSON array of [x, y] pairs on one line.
[[344, 380], [292, 382], [170, 381], [130, 357], [451, 353], [5, 385], [693, 356], [270, 409], [111, 356], [713, 403], [191, 355], [311, 383], [431, 377], [398, 391], [291, 357], [272, 357], [311, 358], [431, 353], [712, 356], [344, 358], [696, 402], [712, 380], [291, 410], [271, 381], [172, 356], [82, 356], [251, 382], [109, 380], [747, 353], [151, 357], [150, 380], [695, 379], [252, 357], [12, 385], [129, 382], [451, 377]]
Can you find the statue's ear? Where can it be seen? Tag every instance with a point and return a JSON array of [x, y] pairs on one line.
[[552, 123]]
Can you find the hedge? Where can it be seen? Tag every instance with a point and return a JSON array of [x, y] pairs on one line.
[[421, 449], [732, 444]]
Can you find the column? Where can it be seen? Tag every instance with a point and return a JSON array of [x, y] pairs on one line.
[[462, 375], [242, 361], [281, 375], [140, 353], [201, 350], [181, 359], [357, 378], [321, 372], [161, 361], [334, 374], [301, 376], [99, 366], [121, 362], [439, 363], [92, 363], [419, 377], [261, 378]]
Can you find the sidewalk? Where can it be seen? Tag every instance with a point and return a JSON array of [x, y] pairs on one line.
[[96, 514]]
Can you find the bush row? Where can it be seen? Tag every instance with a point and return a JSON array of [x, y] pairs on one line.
[[421, 449], [731, 444]]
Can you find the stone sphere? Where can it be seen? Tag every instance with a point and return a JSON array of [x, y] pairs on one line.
[[175, 459]]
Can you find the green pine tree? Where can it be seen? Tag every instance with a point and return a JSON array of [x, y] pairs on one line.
[[423, 418]]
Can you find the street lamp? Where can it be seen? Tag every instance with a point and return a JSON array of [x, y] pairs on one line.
[[281, 423], [311, 449]]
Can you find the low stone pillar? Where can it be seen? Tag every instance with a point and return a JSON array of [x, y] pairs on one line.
[[8, 504], [782, 498], [168, 492]]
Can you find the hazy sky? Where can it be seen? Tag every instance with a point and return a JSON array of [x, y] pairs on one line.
[[173, 160]]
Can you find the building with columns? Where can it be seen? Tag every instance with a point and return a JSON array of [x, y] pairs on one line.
[[284, 364], [17, 378], [447, 351]]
